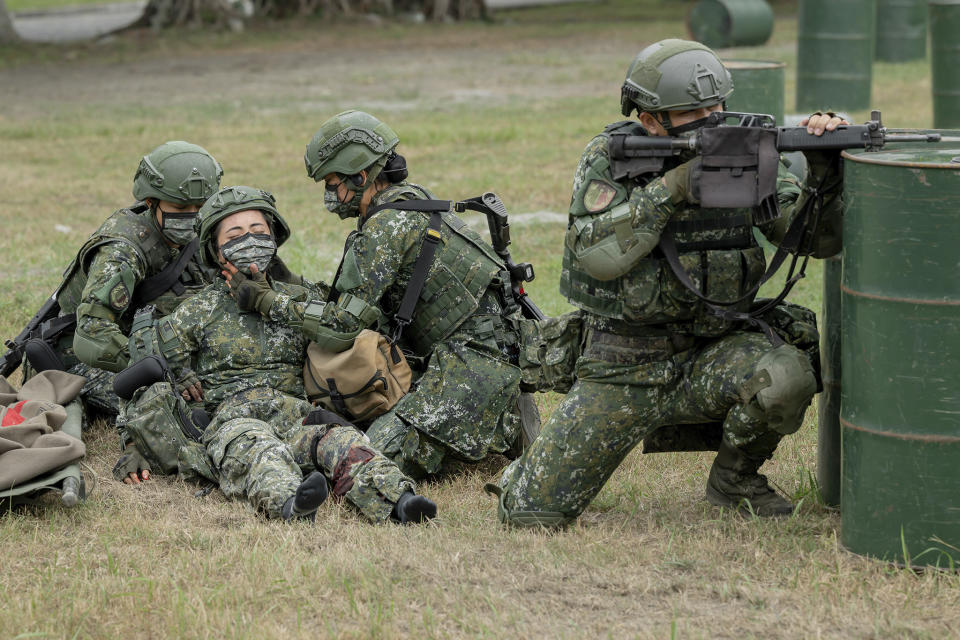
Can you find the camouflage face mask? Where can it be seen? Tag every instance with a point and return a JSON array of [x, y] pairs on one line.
[[177, 227], [248, 249], [348, 209]]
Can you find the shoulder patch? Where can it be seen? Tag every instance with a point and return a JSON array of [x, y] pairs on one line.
[[598, 196], [119, 297]]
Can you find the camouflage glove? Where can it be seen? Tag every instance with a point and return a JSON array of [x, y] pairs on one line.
[[683, 182], [252, 293], [131, 463]]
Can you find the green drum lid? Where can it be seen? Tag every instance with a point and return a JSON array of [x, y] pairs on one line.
[[932, 157]]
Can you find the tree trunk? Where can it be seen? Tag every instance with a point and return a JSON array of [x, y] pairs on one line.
[[8, 34]]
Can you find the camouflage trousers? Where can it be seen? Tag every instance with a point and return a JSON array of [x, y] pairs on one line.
[[262, 451], [98, 391], [463, 407], [623, 393]]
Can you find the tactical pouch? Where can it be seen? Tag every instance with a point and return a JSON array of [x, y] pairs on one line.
[[361, 383], [549, 352], [740, 166], [158, 421]]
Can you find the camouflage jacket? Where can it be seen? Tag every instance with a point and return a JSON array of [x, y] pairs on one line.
[[100, 284], [648, 293], [375, 270], [230, 350]]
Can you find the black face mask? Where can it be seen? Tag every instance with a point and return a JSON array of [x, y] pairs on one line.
[[685, 128]]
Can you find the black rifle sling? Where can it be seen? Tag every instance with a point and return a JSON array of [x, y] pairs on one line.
[[790, 244], [428, 250], [168, 278]]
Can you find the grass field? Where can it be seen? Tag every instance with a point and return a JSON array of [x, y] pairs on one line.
[[505, 106]]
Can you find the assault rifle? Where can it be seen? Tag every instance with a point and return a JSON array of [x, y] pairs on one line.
[[492, 206], [35, 328], [740, 154]]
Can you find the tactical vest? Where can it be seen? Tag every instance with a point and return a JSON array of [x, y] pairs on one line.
[[716, 248], [464, 268], [136, 228]]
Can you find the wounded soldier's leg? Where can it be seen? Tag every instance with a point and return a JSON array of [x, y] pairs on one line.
[[98, 393], [366, 478], [417, 454], [581, 445], [253, 463]]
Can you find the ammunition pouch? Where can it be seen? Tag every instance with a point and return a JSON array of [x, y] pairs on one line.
[[165, 430], [549, 351], [740, 167]]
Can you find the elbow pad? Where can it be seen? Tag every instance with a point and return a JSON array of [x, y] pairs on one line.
[[103, 352], [617, 253]]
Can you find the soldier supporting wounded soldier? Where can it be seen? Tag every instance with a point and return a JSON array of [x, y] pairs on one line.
[[248, 371], [465, 337], [141, 254], [657, 355]]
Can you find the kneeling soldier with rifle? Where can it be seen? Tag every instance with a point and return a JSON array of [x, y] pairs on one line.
[[661, 258]]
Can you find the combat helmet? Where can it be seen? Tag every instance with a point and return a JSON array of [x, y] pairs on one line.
[[178, 172], [674, 75], [348, 143], [229, 201]]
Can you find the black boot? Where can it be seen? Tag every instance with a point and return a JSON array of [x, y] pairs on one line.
[[309, 496], [735, 483], [411, 508]]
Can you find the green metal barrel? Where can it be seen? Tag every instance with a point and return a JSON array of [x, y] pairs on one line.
[[835, 41], [758, 87], [945, 48], [901, 30], [900, 355], [730, 23], [828, 404]]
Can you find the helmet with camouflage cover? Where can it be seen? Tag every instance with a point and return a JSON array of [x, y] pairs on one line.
[[348, 143], [229, 201], [177, 172], [674, 75]]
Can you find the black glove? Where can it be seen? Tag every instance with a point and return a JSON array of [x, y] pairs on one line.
[[252, 293], [131, 463], [683, 182]]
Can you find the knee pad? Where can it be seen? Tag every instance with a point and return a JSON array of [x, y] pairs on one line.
[[781, 389]]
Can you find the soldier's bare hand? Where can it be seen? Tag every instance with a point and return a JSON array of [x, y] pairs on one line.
[[228, 271], [820, 122], [193, 392], [132, 478]]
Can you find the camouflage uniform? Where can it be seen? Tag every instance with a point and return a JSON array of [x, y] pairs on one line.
[[464, 400], [99, 286], [654, 355], [251, 371]]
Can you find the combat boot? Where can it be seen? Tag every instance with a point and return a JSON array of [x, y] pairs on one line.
[[413, 509], [309, 496], [735, 483]]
